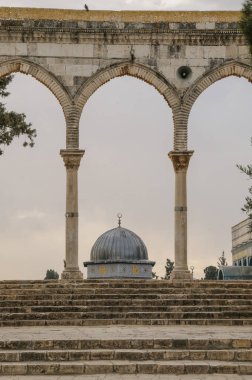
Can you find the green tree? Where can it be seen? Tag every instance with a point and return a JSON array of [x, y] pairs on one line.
[[246, 22], [247, 207], [13, 124], [222, 261], [211, 273], [51, 275], [168, 268]]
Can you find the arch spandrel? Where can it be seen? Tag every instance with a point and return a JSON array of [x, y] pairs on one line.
[[233, 68], [131, 69], [42, 75]]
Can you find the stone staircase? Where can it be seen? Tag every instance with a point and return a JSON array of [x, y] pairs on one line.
[[85, 303], [163, 356], [103, 328]]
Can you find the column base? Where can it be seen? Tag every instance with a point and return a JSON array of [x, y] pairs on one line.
[[181, 275], [71, 275]]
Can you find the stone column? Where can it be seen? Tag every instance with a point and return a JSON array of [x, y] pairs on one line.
[[72, 160], [180, 160]]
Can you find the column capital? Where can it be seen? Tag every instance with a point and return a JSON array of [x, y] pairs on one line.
[[72, 158], [180, 159]]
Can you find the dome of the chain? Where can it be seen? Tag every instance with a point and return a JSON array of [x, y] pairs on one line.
[[119, 244]]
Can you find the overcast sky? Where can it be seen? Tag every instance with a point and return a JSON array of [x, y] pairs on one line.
[[126, 130]]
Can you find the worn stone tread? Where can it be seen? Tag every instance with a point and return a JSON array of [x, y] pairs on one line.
[[128, 321], [124, 302], [132, 377], [129, 333], [118, 306], [125, 354], [125, 367]]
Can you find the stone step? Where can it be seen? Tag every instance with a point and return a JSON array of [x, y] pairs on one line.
[[242, 309], [125, 290], [86, 303], [130, 354], [229, 314], [184, 343], [154, 296], [131, 377], [207, 283], [126, 302], [127, 322], [126, 367], [119, 284]]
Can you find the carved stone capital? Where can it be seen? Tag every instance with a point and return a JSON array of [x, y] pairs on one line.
[[180, 160], [72, 158]]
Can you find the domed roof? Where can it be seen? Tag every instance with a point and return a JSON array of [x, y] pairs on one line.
[[119, 244]]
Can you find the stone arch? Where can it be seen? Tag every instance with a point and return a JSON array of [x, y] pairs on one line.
[[132, 69], [233, 68], [42, 75]]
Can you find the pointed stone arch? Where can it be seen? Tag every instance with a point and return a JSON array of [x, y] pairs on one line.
[[182, 113], [131, 69], [233, 68], [42, 75]]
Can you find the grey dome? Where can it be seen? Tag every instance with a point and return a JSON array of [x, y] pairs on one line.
[[119, 244]]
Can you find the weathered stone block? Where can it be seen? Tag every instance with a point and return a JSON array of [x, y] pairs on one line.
[[57, 356], [214, 52], [245, 369], [243, 355], [220, 344], [194, 52], [93, 369], [220, 355], [79, 355], [197, 344], [180, 344], [241, 343], [197, 368], [205, 25], [71, 369], [147, 368], [11, 369], [225, 368], [164, 343], [9, 356], [177, 369], [64, 50], [125, 368], [38, 369], [102, 355], [197, 355]]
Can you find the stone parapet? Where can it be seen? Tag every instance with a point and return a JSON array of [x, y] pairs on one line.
[[11, 13]]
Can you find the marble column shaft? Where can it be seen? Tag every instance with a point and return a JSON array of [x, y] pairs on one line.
[[72, 160], [180, 162]]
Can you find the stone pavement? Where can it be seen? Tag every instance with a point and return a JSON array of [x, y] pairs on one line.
[[125, 332]]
